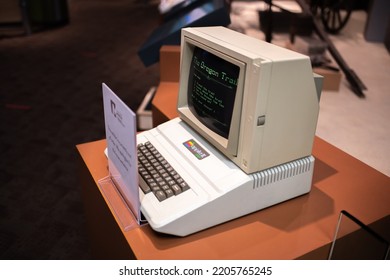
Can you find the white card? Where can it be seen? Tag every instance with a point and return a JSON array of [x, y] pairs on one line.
[[121, 130]]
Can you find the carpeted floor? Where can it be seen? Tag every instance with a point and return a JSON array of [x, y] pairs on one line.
[[50, 90]]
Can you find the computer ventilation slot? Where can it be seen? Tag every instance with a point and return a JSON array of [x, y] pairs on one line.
[[282, 172]]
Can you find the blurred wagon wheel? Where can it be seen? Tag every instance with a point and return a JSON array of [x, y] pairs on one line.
[[335, 14]]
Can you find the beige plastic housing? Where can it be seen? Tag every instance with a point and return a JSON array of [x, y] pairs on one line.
[[277, 101]]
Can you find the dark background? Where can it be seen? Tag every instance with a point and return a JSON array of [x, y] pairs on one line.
[[50, 101]]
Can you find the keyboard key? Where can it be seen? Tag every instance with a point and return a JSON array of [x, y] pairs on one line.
[[169, 193], [184, 186], [145, 188], [160, 195], [176, 189]]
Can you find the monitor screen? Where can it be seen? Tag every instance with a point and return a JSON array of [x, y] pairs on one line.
[[212, 85]]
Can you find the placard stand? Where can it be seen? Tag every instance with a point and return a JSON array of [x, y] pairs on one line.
[[118, 205]]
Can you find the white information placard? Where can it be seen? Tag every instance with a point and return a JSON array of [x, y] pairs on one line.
[[121, 130]]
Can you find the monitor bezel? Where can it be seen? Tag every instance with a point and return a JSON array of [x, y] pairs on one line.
[[229, 145]]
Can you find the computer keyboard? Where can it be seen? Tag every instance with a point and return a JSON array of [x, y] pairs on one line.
[[158, 176]]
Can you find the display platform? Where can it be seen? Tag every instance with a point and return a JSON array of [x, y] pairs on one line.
[[289, 230], [301, 228]]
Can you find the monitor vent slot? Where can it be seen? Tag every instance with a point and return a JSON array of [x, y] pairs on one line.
[[280, 172]]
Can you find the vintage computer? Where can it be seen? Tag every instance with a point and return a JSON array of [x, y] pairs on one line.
[[248, 112]]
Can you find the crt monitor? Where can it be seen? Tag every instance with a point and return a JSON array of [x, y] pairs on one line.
[[255, 102]]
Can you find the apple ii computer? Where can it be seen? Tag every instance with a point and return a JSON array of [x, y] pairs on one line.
[[248, 112]]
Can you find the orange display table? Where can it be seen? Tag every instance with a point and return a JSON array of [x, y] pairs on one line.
[[285, 231]]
